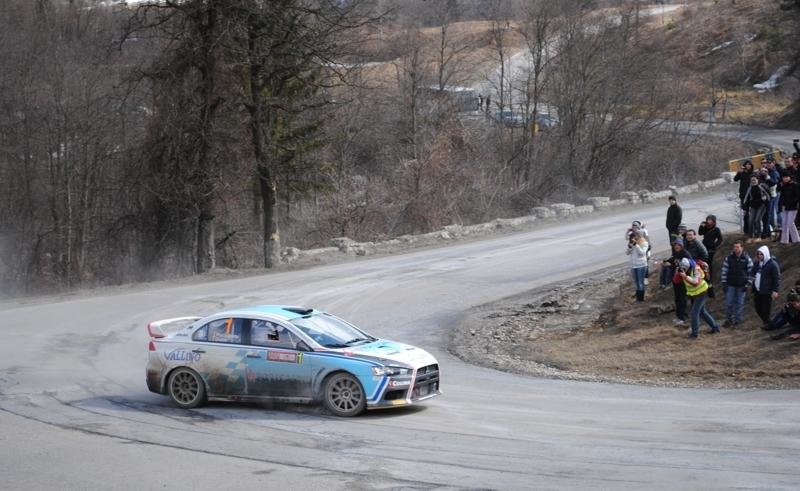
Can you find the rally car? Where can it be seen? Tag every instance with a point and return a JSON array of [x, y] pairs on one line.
[[288, 354]]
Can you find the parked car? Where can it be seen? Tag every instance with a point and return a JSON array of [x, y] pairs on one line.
[[290, 354], [509, 117]]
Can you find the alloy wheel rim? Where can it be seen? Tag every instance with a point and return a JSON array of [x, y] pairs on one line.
[[185, 387], [346, 395]]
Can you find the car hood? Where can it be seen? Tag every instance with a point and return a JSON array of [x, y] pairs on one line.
[[390, 352]]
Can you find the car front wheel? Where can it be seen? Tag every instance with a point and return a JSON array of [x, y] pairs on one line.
[[344, 395], [186, 388]]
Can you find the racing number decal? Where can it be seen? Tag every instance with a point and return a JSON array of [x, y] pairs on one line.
[[285, 357]]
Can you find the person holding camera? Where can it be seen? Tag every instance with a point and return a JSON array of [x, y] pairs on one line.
[[696, 289], [638, 253], [756, 201]]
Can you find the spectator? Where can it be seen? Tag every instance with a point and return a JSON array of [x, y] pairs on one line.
[[638, 226], [755, 202], [638, 253], [735, 277], [696, 289], [694, 247], [789, 314], [788, 202], [771, 180], [743, 176], [766, 282], [790, 166], [669, 269], [674, 217], [712, 239]]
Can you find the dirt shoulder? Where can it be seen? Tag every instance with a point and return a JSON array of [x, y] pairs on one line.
[[589, 329]]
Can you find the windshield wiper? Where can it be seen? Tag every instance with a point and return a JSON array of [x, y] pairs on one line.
[[358, 340]]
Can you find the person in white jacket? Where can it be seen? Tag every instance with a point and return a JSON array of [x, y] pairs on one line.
[[638, 253]]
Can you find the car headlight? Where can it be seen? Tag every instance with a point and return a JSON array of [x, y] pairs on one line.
[[380, 371]]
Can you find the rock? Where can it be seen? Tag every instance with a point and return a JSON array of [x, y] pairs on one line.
[[563, 209], [342, 243], [599, 201], [290, 254], [659, 309], [542, 212], [630, 196]]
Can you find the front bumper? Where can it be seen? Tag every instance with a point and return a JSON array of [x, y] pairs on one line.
[[423, 384]]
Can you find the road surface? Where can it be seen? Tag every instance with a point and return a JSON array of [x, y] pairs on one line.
[[75, 412]]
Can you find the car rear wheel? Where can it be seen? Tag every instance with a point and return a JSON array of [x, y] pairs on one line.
[[344, 395], [186, 388]]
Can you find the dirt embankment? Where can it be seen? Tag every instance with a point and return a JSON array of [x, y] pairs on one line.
[[590, 330]]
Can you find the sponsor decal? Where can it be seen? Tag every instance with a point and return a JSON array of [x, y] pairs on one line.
[[182, 355], [285, 356]]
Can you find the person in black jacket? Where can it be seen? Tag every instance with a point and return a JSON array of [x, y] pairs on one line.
[[712, 238], [674, 218], [787, 205], [789, 314], [766, 283], [743, 177], [735, 277], [756, 202], [668, 268]]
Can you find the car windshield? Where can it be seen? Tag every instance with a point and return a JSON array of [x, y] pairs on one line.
[[330, 331]]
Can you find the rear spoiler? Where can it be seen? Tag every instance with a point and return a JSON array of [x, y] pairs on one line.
[[158, 329]]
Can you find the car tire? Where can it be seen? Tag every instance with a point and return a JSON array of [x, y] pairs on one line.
[[186, 388], [343, 395]]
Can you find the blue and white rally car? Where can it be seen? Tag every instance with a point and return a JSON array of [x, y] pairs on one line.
[[288, 354]]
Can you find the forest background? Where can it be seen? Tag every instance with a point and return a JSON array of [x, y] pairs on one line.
[[165, 139]]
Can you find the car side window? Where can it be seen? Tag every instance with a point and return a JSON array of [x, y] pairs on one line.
[[228, 330], [270, 334], [201, 334]]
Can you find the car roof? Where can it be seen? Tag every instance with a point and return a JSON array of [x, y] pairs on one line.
[[283, 312]]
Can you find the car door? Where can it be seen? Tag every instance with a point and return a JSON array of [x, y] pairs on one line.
[[220, 356], [275, 368]]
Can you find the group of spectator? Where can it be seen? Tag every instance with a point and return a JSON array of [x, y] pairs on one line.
[[769, 198], [689, 269]]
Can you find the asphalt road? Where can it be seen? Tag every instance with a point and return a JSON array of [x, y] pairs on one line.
[[75, 412]]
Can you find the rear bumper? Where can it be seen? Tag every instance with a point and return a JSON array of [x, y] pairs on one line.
[[154, 381]]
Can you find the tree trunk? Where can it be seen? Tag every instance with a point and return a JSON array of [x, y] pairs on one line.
[[269, 203]]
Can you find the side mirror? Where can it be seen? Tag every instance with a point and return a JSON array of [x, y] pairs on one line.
[[302, 346]]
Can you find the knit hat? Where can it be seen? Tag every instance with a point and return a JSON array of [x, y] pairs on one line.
[[678, 242]]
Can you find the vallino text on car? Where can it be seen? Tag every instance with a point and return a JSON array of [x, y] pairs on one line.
[[284, 353]]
